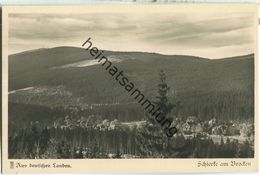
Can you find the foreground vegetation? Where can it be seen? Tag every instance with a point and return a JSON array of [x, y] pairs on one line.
[[119, 141]]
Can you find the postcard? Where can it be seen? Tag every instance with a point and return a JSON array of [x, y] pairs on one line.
[[130, 88]]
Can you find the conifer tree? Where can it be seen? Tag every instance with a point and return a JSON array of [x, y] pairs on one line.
[[163, 103], [151, 139]]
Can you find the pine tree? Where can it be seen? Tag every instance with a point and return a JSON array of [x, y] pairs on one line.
[[210, 149], [151, 139], [79, 153], [95, 150], [244, 150], [63, 150], [163, 103], [118, 154]]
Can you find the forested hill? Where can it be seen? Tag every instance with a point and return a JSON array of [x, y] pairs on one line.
[[69, 76]]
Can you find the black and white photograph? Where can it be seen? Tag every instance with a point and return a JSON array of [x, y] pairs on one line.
[[121, 85], [99, 100]]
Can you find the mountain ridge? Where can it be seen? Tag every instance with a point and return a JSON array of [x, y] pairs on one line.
[[68, 47], [205, 87]]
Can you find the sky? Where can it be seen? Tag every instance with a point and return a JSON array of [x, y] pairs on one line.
[[208, 35]]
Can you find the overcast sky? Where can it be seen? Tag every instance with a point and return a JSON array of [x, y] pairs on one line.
[[207, 35]]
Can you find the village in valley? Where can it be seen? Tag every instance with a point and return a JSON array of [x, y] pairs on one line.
[[190, 127], [219, 133]]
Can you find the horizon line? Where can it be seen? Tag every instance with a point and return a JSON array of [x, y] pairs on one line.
[[45, 48]]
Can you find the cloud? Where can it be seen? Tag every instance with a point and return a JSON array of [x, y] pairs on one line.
[[172, 33]]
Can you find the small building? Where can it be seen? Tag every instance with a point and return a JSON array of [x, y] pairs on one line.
[[186, 128], [198, 128]]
